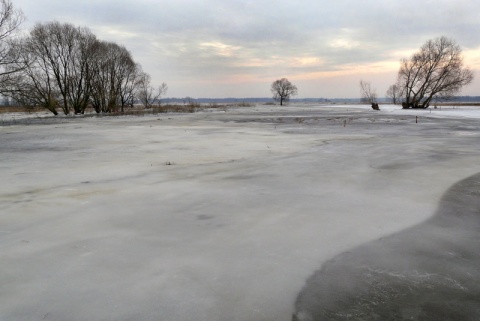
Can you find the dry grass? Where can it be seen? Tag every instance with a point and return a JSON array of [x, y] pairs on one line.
[[168, 108], [195, 107], [20, 109], [191, 107]]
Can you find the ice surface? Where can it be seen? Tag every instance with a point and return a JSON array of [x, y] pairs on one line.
[[428, 272], [214, 215]]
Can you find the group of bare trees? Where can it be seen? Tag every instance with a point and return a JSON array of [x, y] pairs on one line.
[[62, 67], [435, 73]]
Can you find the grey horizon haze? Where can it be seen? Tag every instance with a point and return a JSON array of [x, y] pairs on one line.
[[217, 49]]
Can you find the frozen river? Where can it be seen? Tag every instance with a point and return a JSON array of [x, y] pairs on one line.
[[214, 216]]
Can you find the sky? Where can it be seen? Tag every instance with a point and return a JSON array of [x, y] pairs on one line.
[[234, 48]]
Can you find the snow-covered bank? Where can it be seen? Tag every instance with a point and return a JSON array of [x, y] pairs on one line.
[[209, 216], [440, 111]]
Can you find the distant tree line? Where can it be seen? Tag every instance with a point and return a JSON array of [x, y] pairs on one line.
[[59, 66]]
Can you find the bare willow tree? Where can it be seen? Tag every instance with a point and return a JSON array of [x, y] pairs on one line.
[[65, 52], [35, 84], [282, 90], [112, 68], [66, 67], [10, 21], [394, 92], [129, 86], [79, 85], [436, 72], [147, 94], [369, 95], [56, 67]]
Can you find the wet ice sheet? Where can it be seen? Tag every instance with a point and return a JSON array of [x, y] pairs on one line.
[[211, 216], [428, 272]]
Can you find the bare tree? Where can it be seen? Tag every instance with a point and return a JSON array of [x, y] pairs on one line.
[[369, 95], [63, 66], [79, 84], [65, 52], [161, 91], [145, 91], [112, 69], [55, 67], [124, 74], [435, 72], [46, 45], [282, 90], [10, 20], [35, 84], [129, 86], [147, 94], [394, 92]]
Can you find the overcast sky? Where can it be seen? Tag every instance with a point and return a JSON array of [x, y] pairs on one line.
[[237, 48]]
